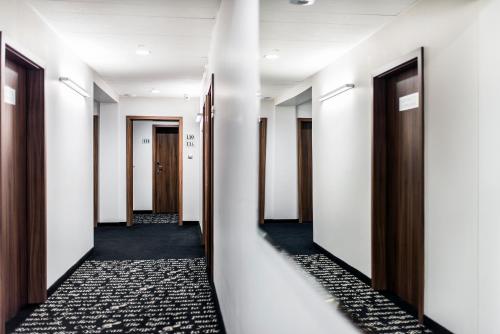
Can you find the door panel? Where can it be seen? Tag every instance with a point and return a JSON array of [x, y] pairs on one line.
[[305, 170], [14, 169], [166, 169]]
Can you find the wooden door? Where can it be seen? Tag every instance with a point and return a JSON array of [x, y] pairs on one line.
[[304, 138], [96, 170], [262, 167], [166, 169], [14, 169], [398, 183], [208, 165]]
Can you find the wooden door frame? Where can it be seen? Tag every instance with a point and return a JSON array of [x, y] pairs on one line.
[[379, 198], [262, 167], [208, 177], [130, 160], [153, 140], [96, 134], [299, 162], [36, 218]]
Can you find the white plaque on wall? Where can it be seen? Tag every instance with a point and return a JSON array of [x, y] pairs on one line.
[[10, 95], [408, 102]]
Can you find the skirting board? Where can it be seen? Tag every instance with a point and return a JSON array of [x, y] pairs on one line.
[[273, 221], [68, 273], [23, 314], [435, 327], [112, 224], [217, 308]]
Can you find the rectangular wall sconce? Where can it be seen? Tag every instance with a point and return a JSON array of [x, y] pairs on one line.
[[74, 86], [336, 92]]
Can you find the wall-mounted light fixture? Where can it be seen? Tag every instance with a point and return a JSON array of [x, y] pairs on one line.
[[74, 86], [199, 117], [336, 92]]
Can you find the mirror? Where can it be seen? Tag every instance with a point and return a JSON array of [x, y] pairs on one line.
[[314, 188]]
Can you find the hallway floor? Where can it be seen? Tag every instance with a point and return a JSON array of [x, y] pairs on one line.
[[150, 278], [370, 310]]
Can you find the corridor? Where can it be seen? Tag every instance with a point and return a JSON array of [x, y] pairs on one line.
[[249, 166]]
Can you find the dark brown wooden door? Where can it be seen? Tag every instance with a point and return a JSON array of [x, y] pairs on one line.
[[262, 167], [14, 168], [166, 169], [398, 183], [304, 127]]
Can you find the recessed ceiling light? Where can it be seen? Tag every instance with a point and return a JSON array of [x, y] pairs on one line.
[[271, 56], [155, 91], [302, 2], [142, 51]]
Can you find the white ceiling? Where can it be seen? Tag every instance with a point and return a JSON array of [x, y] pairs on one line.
[[310, 37], [106, 34]]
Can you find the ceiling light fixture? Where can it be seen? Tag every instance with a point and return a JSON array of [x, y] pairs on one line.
[[302, 2], [142, 51], [336, 92], [271, 56], [74, 86], [155, 91]]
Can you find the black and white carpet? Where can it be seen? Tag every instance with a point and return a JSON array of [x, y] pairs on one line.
[[370, 310], [156, 218], [130, 296]]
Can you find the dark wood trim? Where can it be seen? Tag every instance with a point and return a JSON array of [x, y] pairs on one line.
[[299, 163], [143, 212], [208, 176], [262, 167], [36, 217], [130, 171], [379, 178], [96, 169], [130, 160]]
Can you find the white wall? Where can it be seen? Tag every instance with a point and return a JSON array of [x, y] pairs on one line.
[[281, 160], [143, 165], [448, 30], [68, 130], [258, 289], [489, 168], [113, 152], [284, 173]]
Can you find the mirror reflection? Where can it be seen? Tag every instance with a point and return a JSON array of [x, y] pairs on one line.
[[315, 158]]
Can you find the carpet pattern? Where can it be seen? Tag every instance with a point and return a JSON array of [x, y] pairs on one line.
[[370, 311], [130, 296], [156, 218]]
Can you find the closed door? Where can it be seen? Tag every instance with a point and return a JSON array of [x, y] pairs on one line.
[[14, 167], [166, 169], [304, 127], [262, 167], [398, 183]]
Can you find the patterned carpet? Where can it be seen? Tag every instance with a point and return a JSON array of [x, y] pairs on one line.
[[371, 311], [131, 296], [156, 218]]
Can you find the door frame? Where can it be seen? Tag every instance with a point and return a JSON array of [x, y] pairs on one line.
[[153, 140], [36, 218], [299, 162], [262, 167], [379, 178], [96, 121], [130, 160], [208, 177]]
